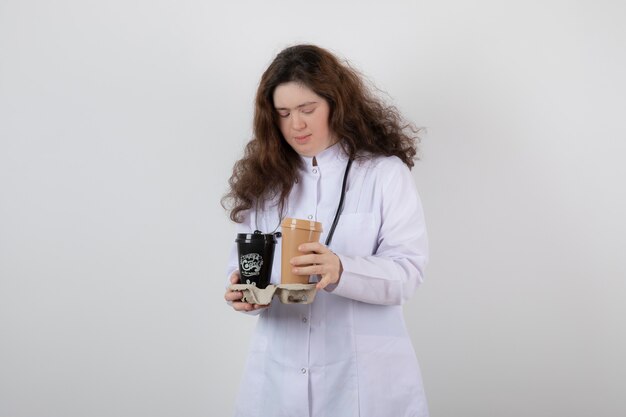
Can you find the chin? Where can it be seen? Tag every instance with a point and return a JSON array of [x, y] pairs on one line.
[[304, 152]]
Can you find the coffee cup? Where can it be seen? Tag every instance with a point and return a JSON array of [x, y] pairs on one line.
[[294, 233], [256, 255]]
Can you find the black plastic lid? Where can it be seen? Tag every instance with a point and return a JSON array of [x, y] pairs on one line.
[[250, 237]]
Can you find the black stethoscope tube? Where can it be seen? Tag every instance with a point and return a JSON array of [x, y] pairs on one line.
[[331, 232], [329, 238]]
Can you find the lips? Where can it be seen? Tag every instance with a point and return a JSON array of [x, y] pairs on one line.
[[302, 139]]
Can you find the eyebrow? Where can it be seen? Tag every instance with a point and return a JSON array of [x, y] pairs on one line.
[[297, 107]]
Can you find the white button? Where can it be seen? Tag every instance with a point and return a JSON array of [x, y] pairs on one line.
[[310, 216], [304, 320], [315, 171], [303, 370]]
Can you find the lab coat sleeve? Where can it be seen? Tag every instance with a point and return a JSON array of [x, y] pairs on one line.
[[393, 272], [247, 226]]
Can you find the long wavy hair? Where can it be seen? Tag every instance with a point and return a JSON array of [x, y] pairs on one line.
[[364, 123]]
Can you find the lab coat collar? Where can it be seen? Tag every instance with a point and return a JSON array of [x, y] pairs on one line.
[[328, 158]]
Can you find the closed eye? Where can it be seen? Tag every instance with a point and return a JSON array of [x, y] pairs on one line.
[[283, 113]]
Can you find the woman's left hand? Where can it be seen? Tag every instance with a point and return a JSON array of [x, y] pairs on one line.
[[322, 262]]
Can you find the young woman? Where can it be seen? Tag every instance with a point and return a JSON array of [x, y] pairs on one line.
[[348, 353]]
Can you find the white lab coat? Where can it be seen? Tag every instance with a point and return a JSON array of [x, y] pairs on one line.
[[348, 353]]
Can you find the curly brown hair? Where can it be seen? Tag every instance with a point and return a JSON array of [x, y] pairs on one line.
[[366, 125]]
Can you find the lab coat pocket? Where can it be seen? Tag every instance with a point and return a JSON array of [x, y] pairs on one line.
[[356, 234], [389, 377]]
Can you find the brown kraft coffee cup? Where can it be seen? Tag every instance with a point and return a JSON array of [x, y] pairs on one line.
[[294, 233]]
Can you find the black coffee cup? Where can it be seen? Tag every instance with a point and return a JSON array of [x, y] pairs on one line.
[[256, 255]]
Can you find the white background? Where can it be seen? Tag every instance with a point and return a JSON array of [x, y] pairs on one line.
[[119, 125]]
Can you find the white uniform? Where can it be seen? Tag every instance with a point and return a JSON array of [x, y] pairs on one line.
[[348, 353]]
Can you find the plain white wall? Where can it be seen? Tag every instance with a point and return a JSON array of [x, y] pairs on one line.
[[119, 125]]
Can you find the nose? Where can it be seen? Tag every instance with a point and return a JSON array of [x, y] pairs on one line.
[[297, 122]]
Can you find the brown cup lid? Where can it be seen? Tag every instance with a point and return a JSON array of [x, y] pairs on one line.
[[291, 223]]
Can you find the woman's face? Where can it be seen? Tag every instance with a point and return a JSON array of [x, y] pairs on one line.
[[303, 118]]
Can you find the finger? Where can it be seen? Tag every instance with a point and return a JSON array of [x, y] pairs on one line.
[[306, 259], [260, 306], [243, 306], [309, 270], [323, 283], [233, 295], [234, 277], [313, 247]]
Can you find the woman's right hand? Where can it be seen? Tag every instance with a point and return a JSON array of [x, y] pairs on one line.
[[234, 297]]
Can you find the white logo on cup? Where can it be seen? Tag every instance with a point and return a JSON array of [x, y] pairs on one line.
[[251, 264]]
